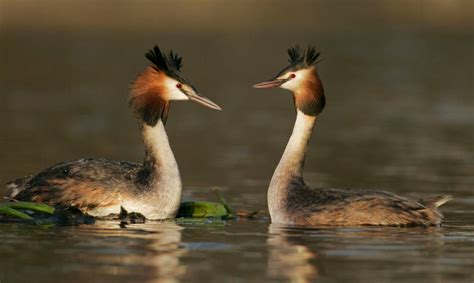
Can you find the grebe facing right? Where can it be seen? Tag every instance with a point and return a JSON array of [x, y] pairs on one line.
[[292, 202], [101, 187]]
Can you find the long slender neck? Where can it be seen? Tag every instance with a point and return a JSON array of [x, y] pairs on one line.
[[290, 167], [309, 102], [287, 189], [160, 174], [292, 161]]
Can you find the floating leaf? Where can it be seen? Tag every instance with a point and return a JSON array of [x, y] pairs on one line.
[[201, 209]]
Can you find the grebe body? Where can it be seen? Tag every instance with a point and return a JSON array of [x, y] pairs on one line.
[[101, 187], [292, 202]]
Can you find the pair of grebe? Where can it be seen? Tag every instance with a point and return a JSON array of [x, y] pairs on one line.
[[101, 187]]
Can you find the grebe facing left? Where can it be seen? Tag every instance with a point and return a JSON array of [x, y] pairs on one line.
[[99, 186], [291, 201]]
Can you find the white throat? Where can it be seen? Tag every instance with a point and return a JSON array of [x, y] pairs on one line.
[[294, 155], [290, 166], [158, 147], [163, 197]]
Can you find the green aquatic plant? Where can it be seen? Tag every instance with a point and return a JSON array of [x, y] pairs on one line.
[[13, 213], [201, 209], [41, 213], [15, 209], [33, 206], [231, 212], [207, 209]]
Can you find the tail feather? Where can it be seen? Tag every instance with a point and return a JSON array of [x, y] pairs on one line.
[[437, 201]]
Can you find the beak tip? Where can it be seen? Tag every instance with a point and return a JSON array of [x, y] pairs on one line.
[[204, 101], [260, 85]]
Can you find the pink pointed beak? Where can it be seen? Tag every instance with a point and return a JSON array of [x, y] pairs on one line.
[[270, 84]]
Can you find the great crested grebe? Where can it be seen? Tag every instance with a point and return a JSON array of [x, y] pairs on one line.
[[292, 202], [101, 187]]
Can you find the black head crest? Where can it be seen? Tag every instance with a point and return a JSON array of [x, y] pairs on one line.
[[175, 60], [169, 64], [302, 58], [311, 56], [156, 57], [310, 102], [295, 54]]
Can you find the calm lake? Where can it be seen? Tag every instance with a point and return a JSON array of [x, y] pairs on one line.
[[398, 77]]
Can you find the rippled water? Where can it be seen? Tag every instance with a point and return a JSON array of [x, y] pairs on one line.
[[236, 252], [400, 117]]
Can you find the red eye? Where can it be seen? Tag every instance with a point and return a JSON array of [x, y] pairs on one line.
[[178, 85], [292, 76]]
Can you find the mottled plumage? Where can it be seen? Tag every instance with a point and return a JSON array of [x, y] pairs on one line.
[[101, 187], [85, 184], [350, 207]]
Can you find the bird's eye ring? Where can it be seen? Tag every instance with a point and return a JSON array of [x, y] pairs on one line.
[[292, 76], [178, 85]]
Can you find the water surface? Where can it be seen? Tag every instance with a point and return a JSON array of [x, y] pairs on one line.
[[400, 117]]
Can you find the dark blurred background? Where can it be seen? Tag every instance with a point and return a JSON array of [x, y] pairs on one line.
[[398, 77]]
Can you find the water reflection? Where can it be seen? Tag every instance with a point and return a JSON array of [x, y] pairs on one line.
[[289, 258], [159, 254], [101, 252], [304, 254]]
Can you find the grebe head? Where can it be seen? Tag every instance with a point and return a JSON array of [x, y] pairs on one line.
[[160, 83], [301, 77]]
